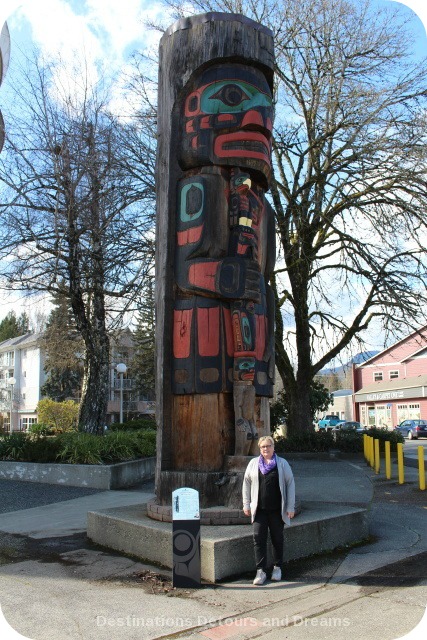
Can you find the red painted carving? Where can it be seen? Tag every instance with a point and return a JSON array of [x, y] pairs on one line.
[[225, 247], [182, 333]]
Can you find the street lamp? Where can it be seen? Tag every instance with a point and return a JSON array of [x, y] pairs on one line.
[[121, 369], [12, 382]]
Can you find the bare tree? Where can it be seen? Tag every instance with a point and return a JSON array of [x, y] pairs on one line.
[[76, 210], [349, 184]]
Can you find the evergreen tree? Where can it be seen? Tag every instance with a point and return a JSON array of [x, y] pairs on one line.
[[143, 363], [12, 326], [64, 350]]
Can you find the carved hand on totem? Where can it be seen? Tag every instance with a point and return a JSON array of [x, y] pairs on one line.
[[243, 242], [239, 278]]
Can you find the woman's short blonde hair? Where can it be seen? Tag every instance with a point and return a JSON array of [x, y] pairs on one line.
[[267, 439]]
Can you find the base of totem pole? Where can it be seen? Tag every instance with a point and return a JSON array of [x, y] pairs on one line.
[[216, 488], [220, 493]]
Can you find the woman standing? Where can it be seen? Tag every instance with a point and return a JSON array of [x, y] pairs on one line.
[[269, 498]]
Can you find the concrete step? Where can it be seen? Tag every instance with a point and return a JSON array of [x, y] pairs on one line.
[[227, 550]]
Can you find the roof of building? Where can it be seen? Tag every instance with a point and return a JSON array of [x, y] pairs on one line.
[[392, 346], [392, 385], [342, 392], [21, 341]]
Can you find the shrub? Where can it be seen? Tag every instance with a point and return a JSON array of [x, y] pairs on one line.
[[12, 446], [40, 429], [61, 416], [120, 446], [133, 425], [307, 441], [79, 448], [27, 448], [394, 437], [41, 450], [350, 441]]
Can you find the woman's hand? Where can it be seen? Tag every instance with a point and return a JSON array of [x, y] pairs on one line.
[[247, 512], [290, 514]]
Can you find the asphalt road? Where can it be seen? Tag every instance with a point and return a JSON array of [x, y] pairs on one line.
[[15, 496], [410, 448]]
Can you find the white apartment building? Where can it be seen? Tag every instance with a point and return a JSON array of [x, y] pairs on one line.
[[21, 360]]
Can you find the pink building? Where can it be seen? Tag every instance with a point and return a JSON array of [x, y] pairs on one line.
[[392, 386]]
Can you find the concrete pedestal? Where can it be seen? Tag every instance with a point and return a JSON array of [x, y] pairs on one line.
[[227, 550]]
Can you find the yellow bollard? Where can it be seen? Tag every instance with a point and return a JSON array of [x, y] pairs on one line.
[[387, 460], [365, 446], [372, 455], [421, 471], [401, 471], [377, 456]]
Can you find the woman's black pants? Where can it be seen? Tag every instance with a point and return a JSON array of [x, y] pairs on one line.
[[266, 520]]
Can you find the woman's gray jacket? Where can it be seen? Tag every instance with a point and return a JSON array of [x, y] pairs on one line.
[[286, 483]]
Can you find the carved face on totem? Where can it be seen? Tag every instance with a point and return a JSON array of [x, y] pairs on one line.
[[228, 120]]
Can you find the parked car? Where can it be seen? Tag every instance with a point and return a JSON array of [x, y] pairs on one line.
[[328, 422], [349, 425], [413, 429]]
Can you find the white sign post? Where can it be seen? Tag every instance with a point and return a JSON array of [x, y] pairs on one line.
[[186, 538]]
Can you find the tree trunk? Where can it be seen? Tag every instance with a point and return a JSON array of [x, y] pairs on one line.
[[93, 407]]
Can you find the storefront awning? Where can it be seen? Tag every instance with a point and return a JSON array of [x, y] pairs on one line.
[[393, 390]]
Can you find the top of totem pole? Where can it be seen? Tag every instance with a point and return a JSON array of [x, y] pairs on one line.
[[209, 37], [187, 23]]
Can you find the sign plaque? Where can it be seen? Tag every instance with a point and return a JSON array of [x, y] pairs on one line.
[[186, 538]]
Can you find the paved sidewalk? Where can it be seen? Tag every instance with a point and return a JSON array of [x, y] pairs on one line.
[[55, 584]]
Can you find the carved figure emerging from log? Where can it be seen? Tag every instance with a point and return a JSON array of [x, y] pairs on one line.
[[223, 339]]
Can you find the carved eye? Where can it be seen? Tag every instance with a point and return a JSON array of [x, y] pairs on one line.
[[231, 95]]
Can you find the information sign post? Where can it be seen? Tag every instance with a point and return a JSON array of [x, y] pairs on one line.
[[186, 538]]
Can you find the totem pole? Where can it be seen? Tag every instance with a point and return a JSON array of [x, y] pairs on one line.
[[215, 248]]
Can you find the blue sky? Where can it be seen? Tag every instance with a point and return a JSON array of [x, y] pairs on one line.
[[107, 30]]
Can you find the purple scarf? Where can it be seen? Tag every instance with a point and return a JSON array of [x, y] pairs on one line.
[[264, 466]]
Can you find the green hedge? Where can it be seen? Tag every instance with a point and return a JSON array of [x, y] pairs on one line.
[[349, 442], [307, 441], [41, 429], [394, 437], [79, 448], [133, 425]]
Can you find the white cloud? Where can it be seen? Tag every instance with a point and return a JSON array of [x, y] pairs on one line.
[[420, 8], [102, 31]]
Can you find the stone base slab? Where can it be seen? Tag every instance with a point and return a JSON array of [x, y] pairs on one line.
[[91, 476], [214, 516], [227, 550]]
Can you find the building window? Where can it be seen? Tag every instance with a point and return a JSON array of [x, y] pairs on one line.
[[7, 359], [378, 376], [408, 412], [402, 413], [371, 416], [414, 412], [393, 375], [27, 422]]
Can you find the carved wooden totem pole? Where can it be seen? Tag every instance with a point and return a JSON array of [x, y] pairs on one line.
[[215, 249]]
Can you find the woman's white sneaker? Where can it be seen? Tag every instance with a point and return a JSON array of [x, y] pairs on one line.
[[260, 577], [276, 574]]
